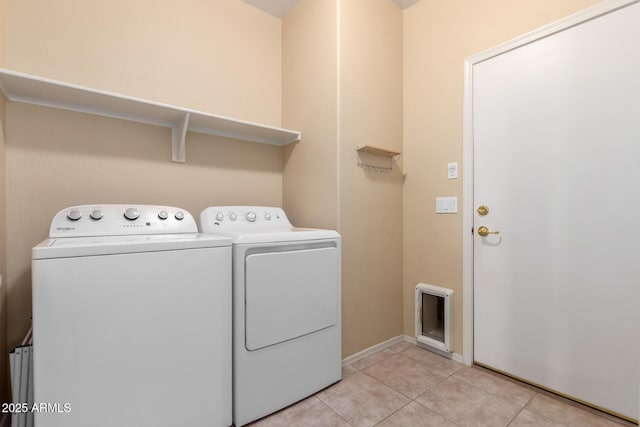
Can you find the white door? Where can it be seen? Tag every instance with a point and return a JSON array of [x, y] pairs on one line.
[[556, 152]]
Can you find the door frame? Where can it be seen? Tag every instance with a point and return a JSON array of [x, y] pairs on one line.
[[588, 14]]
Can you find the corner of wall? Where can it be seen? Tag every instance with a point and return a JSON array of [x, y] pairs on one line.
[[4, 369], [4, 392], [309, 104], [340, 97], [370, 113]]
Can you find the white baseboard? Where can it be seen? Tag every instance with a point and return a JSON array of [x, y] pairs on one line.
[[373, 349], [453, 356], [388, 343]]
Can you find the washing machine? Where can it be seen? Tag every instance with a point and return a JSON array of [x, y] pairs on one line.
[[286, 308], [132, 320]]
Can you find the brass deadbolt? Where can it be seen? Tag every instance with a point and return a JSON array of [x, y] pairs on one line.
[[482, 210]]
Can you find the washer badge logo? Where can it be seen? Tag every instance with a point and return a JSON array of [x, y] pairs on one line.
[[65, 228]]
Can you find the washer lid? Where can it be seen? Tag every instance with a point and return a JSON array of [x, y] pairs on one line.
[[110, 245]]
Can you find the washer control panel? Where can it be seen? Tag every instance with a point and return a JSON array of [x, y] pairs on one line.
[[119, 220], [243, 219]]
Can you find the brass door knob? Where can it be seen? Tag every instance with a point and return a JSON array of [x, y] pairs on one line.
[[484, 231], [482, 210]]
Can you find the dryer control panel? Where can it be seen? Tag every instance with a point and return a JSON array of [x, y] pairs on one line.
[[121, 220], [243, 219]]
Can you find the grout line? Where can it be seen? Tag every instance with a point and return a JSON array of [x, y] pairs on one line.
[[515, 416], [537, 413], [333, 410], [393, 413], [529, 401], [437, 413], [498, 376]]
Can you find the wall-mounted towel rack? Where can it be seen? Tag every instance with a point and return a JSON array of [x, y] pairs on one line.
[[368, 163]]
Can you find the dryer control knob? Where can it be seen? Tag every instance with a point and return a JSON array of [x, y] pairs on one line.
[[74, 214], [233, 216], [267, 216], [179, 215], [251, 216], [163, 215], [131, 214], [219, 216], [96, 214]]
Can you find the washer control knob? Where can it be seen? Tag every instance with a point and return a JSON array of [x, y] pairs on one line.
[[179, 215], [219, 216], [74, 214], [233, 216], [251, 216], [163, 215], [131, 214], [96, 214], [267, 216]]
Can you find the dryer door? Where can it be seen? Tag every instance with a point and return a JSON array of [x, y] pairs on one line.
[[290, 294]]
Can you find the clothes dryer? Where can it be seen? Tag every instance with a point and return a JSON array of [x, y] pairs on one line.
[[132, 320], [286, 305]]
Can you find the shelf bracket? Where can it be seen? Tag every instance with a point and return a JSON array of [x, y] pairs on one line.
[[178, 140]]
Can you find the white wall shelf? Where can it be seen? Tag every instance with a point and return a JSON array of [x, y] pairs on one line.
[[19, 87]]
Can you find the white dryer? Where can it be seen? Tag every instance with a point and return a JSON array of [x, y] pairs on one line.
[[132, 320], [286, 305]]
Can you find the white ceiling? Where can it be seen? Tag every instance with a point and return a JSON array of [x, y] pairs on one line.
[[280, 8]]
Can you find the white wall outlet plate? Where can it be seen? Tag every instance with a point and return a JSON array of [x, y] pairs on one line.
[[446, 205], [452, 170]]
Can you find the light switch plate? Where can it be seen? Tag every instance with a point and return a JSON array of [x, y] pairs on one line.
[[446, 205], [452, 170]]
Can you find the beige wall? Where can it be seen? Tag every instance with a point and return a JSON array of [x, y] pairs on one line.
[[438, 36], [370, 202], [222, 56], [309, 75], [342, 87], [332, 69], [3, 257], [4, 386]]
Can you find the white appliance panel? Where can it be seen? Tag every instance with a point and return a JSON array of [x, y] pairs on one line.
[[279, 375], [121, 220], [257, 224], [111, 245], [156, 304], [290, 294], [286, 308]]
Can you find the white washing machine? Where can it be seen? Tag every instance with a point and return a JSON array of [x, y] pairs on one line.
[[286, 305], [132, 320]]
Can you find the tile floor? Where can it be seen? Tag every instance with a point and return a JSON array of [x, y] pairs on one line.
[[406, 386]]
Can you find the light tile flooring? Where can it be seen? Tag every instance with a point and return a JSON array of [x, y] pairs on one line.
[[406, 386]]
